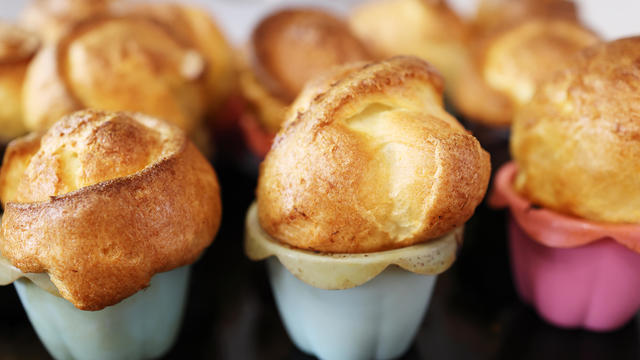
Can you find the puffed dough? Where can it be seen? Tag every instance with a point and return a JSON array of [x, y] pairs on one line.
[[577, 143], [369, 160], [103, 201]]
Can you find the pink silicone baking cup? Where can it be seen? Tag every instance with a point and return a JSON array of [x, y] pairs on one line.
[[257, 139], [576, 273]]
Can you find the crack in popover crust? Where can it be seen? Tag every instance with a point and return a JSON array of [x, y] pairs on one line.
[[136, 199], [577, 143], [369, 160]]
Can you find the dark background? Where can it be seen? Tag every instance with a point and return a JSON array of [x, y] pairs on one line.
[[474, 314]]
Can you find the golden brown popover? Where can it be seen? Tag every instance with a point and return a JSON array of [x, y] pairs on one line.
[[103, 201], [369, 160], [17, 48], [286, 49], [506, 61], [428, 29], [117, 63], [577, 143]]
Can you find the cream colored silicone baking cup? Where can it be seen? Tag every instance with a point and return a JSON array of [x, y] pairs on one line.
[[10, 273], [344, 271]]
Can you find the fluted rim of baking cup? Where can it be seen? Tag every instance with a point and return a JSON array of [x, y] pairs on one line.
[[341, 271], [551, 228]]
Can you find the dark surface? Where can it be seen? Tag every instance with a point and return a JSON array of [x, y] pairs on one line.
[[474, 314]]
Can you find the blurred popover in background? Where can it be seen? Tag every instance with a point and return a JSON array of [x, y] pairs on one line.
[[196, 26], [286, 49], [17, 49], [116, 63], [514, 45], [429, 29], [168, 60]]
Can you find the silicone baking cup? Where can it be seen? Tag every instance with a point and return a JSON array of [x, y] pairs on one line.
[[576, 273], [142, 326], [351, 306]]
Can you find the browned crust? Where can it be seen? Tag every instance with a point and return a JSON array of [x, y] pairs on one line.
[[327, 183], [104, 242], [577, 143], [50, 94], [293, 45]]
